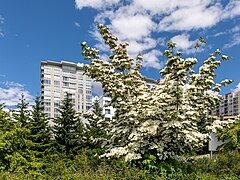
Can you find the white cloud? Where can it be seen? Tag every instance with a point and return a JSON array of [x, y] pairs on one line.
[[235, 41], [76, 24], [136, 47], [151, 59], [97, 89], [2, 20], [183, 43], [237, 88], [231, 10], [219, 34], [195, 17], [138, 21], [132, 27], [97, 4], [11, 93], [2, 75], [236, 29]]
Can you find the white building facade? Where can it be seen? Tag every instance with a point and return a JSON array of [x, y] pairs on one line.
[[60, 78], [229, 105]]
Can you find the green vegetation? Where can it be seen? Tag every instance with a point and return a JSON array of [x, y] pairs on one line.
[[151, 135], [225, 166]]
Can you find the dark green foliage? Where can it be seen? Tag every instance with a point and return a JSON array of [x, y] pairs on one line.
[[22, 112], [97, 110], [15, 155], [68, 129], [40, 132], [6, 123]]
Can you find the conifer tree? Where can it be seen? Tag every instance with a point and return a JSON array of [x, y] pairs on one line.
[[95, 129], [6, 123], [68, 129], [40, 131], [22, 114]]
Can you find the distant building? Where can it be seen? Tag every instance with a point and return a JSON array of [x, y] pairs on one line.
[[60, 78], [229, 106], [108, 111]]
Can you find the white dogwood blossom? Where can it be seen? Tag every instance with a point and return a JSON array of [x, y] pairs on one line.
[[162, 120]]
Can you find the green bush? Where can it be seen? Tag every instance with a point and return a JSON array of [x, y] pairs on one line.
[[84, 167]]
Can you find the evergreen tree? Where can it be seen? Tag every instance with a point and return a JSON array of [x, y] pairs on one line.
[[96, 127], [15, 145], [40, 131], [22, 114], [68, 129], [6, 123]]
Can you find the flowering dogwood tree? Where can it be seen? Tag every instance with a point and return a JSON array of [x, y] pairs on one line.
[[161, 121]]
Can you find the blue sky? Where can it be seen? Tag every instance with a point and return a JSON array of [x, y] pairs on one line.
[[32, 31]]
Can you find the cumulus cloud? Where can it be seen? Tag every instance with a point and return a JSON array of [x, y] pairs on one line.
[[195, 17], [133, 27], [138, 21], [151, 59], [11, 92], [184, 43], [97, 4]]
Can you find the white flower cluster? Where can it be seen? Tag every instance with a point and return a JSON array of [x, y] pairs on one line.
[[117, 152], [162, 119], [217, 125]]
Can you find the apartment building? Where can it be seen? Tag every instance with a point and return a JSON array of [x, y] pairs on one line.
[[60, 78], [229, 105]]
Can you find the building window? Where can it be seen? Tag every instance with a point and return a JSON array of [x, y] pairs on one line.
[[107, 111], [56, 94], [56, 115], [88, 98], [56, 77], [65, 78], [47, 109], [88, 92], [107, 103], [47, 103], [80, 91], [88, 107], [47, 70], [47, 81], [66, 84], [69, 68], [72, 85], [107, 119], [56, 83], [56, 71]]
